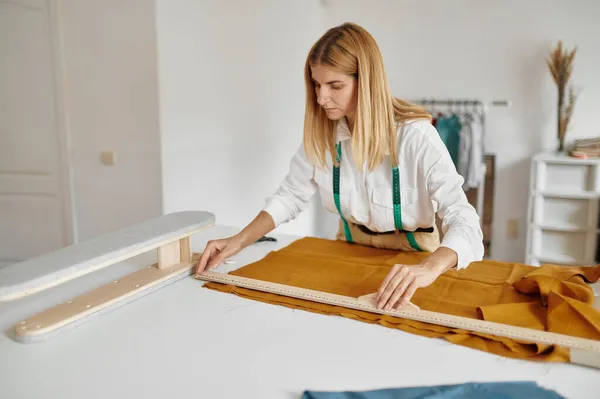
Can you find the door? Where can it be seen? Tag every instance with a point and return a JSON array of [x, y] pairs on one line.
[[35, 203]]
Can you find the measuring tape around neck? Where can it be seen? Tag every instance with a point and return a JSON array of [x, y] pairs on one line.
[[396, 197]]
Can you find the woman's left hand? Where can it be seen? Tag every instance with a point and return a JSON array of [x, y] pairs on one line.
[[401, 283]]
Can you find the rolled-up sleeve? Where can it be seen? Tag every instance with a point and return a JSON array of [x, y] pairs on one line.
[[295, 191], [460, 222]]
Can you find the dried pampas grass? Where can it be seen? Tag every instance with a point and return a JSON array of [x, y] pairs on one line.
[[560, 64]]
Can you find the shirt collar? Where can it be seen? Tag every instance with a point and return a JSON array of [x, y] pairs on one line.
[[343, 132]]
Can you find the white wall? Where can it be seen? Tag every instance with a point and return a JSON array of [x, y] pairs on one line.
[[232, 99], [109, 50], [490, 50], [232, 102]]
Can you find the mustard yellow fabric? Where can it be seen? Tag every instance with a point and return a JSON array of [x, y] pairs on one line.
[[551, 298]]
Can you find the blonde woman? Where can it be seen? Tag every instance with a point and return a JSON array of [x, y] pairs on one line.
[[375, 160]]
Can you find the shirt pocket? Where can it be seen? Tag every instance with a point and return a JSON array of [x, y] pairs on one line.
[[382, 206], [325, 182]]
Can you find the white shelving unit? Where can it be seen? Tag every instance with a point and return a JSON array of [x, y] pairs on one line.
[[562, 212]]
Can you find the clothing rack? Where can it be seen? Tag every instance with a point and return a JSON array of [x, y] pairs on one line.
[[466, 105], [461, 102]]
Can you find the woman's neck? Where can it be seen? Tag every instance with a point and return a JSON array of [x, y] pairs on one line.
[[350, 123]]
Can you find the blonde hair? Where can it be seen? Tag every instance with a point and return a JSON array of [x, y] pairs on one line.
[[350, 49]]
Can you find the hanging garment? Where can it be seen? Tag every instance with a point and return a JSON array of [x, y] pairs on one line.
[[471, 390], [449, 128], [551, 298], [476, 159], [464, 152], [435, 119]]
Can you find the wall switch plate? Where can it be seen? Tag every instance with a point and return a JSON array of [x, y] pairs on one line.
[[108, 157], [512, 228]]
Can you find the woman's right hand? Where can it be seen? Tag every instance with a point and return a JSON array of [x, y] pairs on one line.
[[217, 251]]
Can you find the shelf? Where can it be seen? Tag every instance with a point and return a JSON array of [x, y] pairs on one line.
[[565, 160], [561, 260], [566, 228], [563, 210], [568, 194]]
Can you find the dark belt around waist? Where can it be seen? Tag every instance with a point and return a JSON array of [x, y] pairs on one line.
[[365, 230]]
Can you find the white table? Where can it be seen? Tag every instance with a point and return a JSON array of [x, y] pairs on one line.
[[188, 341]]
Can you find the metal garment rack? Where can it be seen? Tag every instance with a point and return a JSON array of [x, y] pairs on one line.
[[478, 105], [460, 102]]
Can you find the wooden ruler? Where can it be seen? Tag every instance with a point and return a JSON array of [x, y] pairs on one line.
[[582, 351]]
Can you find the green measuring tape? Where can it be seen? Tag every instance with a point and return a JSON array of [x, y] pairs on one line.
[[336, 191], [397, 201]]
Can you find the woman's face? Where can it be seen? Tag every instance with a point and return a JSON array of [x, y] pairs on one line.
[[336, 92]]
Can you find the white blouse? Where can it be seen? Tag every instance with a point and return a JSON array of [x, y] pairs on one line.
[[428, 179]]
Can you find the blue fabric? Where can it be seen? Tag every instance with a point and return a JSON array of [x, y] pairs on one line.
[[449, 128], [472, 390]]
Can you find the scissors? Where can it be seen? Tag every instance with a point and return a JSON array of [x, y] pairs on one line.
[[267, 238]]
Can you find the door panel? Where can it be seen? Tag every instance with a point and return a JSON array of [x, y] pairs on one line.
[[32, 219]]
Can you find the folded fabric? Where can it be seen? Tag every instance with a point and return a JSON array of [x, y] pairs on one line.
[[551, 298], [473, 390]]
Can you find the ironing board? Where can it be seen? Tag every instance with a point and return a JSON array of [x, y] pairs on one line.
[[184, 340]]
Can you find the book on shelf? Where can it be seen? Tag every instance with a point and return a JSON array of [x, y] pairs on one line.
[[586, 148]]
